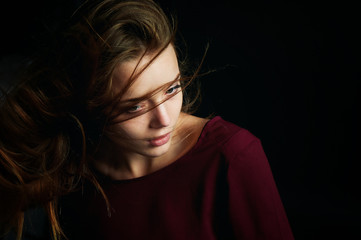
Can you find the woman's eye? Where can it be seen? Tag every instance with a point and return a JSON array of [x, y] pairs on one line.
[[173, 89], [135, 108]]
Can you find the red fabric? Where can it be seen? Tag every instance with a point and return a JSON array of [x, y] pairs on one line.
[[222, 189]]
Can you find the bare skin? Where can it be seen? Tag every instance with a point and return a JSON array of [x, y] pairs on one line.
[[185, 137], [156, 138]]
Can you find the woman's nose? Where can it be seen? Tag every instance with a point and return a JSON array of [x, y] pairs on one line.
[[160, 117]]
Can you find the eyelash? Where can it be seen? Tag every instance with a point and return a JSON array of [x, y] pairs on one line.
[[139, 107], [135, 109], [173, 89]]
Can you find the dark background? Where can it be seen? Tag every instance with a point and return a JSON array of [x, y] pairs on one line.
[[287, 71]]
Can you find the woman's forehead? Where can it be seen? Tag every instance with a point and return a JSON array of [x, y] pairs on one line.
[[162, 70]]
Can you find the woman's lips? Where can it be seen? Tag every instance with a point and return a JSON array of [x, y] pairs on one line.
[[159, 141]]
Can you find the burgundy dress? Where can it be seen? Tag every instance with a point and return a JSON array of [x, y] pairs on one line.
[[222, 188]]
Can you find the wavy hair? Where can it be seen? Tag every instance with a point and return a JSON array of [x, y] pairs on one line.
[[52, 121]]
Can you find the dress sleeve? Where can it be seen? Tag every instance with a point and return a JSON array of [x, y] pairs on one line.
[[255, 207]]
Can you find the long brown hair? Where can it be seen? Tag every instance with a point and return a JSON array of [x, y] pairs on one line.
[[52, 121]]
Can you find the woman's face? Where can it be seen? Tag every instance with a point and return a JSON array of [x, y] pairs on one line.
[[149, 134]]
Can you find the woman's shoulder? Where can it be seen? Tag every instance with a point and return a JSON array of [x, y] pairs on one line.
[[222, 140], [217, 134], [225, 132], [235, 143]]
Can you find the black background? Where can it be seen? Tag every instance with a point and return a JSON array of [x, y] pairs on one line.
[[287, 71]]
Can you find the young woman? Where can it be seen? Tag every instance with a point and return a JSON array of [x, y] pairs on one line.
[[98, 134]]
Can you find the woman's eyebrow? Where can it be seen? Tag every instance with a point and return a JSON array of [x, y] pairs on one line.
[[139, 99], [133, 100]]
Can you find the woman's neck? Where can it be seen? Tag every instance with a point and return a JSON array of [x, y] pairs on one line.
[[113, 161]]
